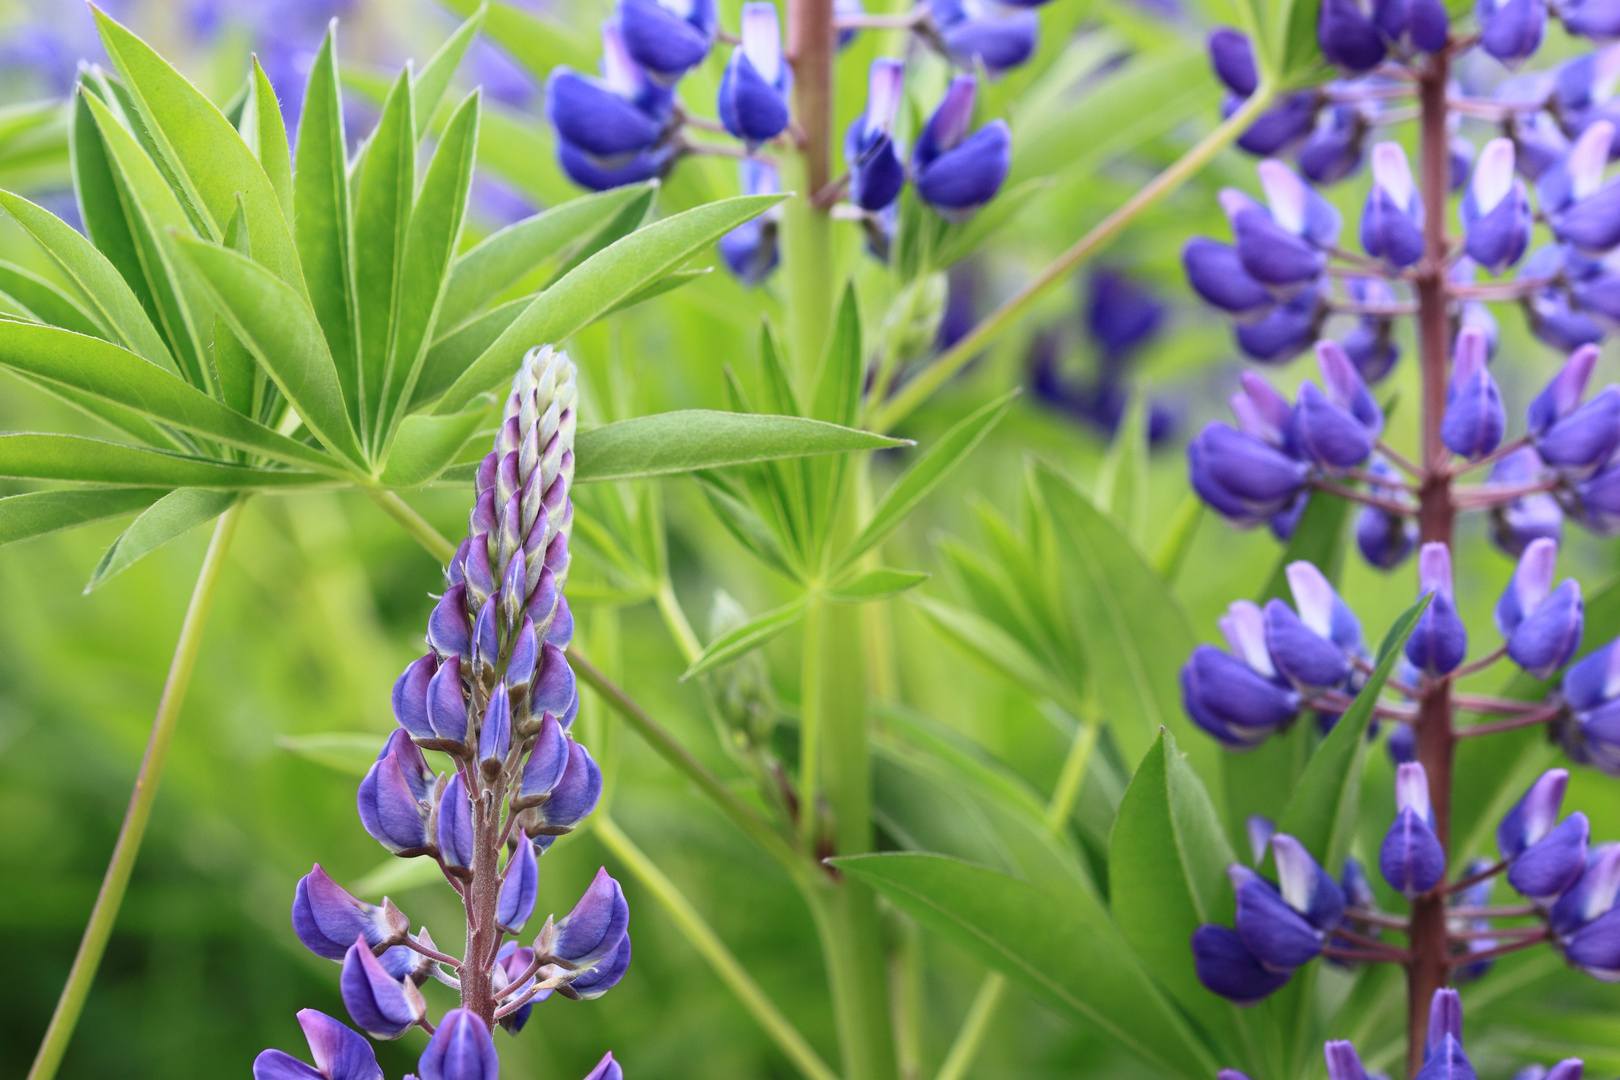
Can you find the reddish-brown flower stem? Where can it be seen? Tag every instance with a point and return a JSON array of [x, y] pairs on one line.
[[1367, 956], [432, 954], [1398, 459], [1391, 506], [1477, 666], [1381, 481], [1487, 703], [1377, 918], [1474, 879], [1361, 939], [1495, 932], [1502, 911], [1501, 950], [1492, 458], [1530, 719], [1485, 496]]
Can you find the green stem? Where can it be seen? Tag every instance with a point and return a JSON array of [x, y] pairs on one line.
[[919, 389], [745, 817], [713, 950], [970, 1037], [421, 530], [133, 830], [810, 724], [669, 606]]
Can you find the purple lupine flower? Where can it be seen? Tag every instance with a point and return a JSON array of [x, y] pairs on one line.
[[1582, 920], [1348, 35], [1259, 829], [753, 91], [1333, 149], [1216, 273], [455, 825], [1226, 966], [571, 800], [1342, 1061], [876, 173], [1279, 127], [1598, 501], [1585, 211], [1531, 517], [1542, 625], [1598, 19], [668, 37], [396, 797], [1392, 218], [1282, 245], [1121, 315], [1231, 55], [1314, 649], [1443, 1056], [1422, 25], [1384, 539], [520, 883], [461, 1049], [1241, 477], [612, 130], [595, 935], [1411, 858], [1263, 412], [1533, 816], [1402, 744], [340, 1053], [1511, 30], [511, 962], [1286, 331], [1272, 930], [982, 32], [1336, 428], [1474, 419], [1238, 697], [608, 1069], [1371, 344], [955, 172], [1496, 210], [1554, 863], [1440, 640], [1583, 88], [327, 919], [1582, 442], [380, 1005]]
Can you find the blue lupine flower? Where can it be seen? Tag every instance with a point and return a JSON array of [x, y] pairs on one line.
[[1226, 966], [1342, 1061], [1599, 19], [611, 130], [1583, 88], [1516, 524], [983, 32], [1314, 649], [511, 961], [1333, 149], [1443, 1056], [1392, 218], [955, 172], [1581, 919], [595, 935], [327, 919], [1542, 625], [1411, 858], [1533, 816], [1563, 393], [455, 827], [1121, 316], [1496, 210], [1440, 640], [1598, 501], [1553, 863], [1384, 539], [608, 1069], [1370, 343], [1279, 127], [876, 173], [1283, 245], [380, 1005], [1402, 744], [1272, 930], [1216, 273], [340, 1053], [1582, 442], [1348, 36], [668, 37], [1239, 697], [573, 798], [753, 91], [495, 734], [519, 886], [1474, 419], [461, 1049], [1336, 428], [1231, 54], [1586, 211], [1242, 478], [1422, 25], [1286, 331], [1264, 413], [1259, 829], [1511, 30], [395, 797]]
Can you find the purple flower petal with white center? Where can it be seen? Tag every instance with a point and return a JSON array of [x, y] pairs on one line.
[[340, 1053], [955, 172], [1582, 442], [1563, 393], [1231, 54], [455, 827], [520, 885], [1304, 658], [1595, 680], [575, 794], [1496, 210], [1342, 1061], [1226, 966], [1543, 625], [1346, 388], [1591, 896], [876, 173], [1306, 887], [1321, 609], [979, 33], [1553, 863], [1474, 419], [1260, 829], [1228, 699], [380, 1005], [1392, 217], [1533, 816], [1411, 858], [1262, 411], [1440, 640], [461, 1049], [1244, 627], [1272, 931], [753, 91]]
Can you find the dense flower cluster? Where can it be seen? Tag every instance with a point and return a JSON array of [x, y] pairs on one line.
[[1280, 926], [628, 124], [496, 696]]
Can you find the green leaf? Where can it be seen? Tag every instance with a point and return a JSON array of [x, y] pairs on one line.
[[503, 259], [962, 240], [992, 646], [1322, 813], [105, 294], [534, 39], [426, 446], [838, 380], [1177, 538], [1133, 633], [1122, 485], [1063, 947], [351, 752], [30, 456], [171, 516], [202, 152], [669, 283], [691, 439], [435, 233], [452, 354], [266, 136], [428, 88], [598, 284], [44, 301], [744, 639], [323, 220], [1167, 862], [749, 529], [914, 485], [382, 217], [631, 216], [41, 512], [279, 329], [99, 203], [877, 585], [1319, 538], [102, 369]]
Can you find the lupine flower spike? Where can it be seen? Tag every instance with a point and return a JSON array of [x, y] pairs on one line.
[[957, 172]]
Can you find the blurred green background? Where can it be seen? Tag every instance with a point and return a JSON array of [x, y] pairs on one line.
[[324, 601]]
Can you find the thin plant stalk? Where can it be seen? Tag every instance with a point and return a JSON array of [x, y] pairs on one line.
[[930, 379], [130, 834]]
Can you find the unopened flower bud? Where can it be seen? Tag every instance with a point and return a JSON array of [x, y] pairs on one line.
[[1552, 864], [1533, 816], [1216, 273], [1511, 30], [608, 1069], [1226, 966], [751, 250], [380, 1005], [519, 887], [957, 172], [447, 702], [1241, 477], [1496, 210], [1411, 858], [1392, 218], [976, 34], [411, 696], [340, 1053], [876, 173], [668, 39], [1440, 640], [1542, 625], [1231, 54], [573, 797], [327, 918], [393, 797], [455, 826], [753, 90], [595, 935], [461, 1049], [1348, 36], [1474, 419]]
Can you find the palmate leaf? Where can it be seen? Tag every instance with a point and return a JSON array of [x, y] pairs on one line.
[[690, 440], [41, 512], [430, 84], [168, 518], [382, 217], [43, 301], [31, 456]]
